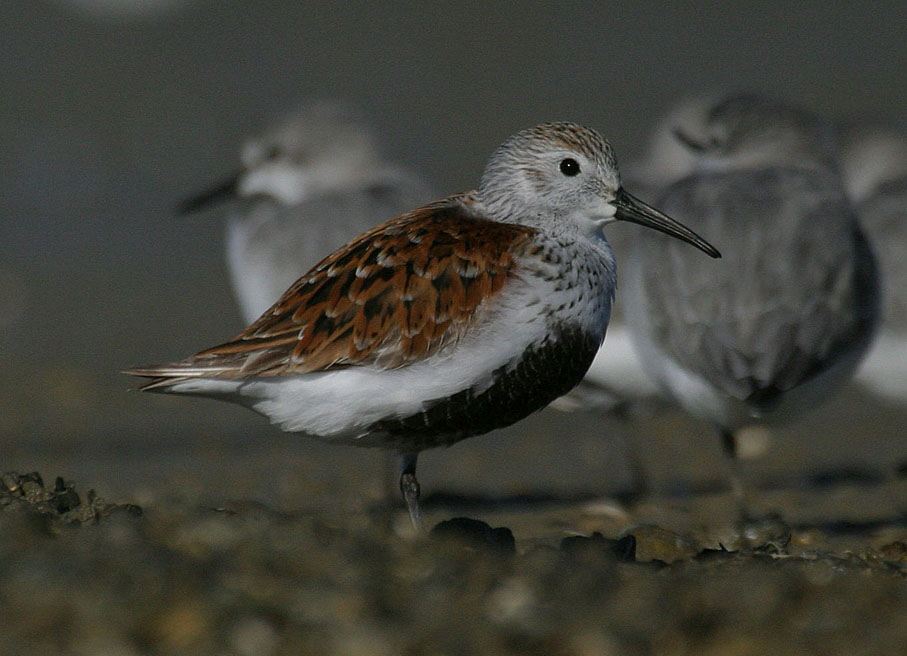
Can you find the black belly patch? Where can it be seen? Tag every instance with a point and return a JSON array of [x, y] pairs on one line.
[[543, 373]]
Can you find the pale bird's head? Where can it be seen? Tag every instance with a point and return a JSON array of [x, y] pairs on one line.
[[565, 175]]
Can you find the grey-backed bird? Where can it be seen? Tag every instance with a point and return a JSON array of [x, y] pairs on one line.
[[308, 184], [784, 322], [873, 157]]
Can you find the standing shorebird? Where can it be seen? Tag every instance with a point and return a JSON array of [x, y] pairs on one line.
[[449, 321], [786, 320], [308, 184], [874, 166]]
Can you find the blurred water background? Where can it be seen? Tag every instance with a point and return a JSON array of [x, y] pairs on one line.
[[113, 112]]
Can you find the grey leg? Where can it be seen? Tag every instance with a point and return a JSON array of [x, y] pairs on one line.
[[768, 531], [738, 489], [409, 487], [640, 486]]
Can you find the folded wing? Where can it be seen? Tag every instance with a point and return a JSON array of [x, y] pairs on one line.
[[394, 295]]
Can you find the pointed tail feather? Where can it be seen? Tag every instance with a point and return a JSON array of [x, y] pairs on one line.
[[165, 376]]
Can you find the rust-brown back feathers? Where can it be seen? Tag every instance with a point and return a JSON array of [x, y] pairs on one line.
[[394, 295]]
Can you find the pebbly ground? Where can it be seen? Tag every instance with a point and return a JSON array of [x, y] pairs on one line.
[[214, 545]]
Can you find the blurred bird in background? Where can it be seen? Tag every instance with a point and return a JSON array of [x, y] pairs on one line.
[[307, 185], [873, 159], [784, 324]]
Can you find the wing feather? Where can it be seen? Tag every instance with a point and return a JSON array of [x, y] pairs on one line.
[[394, 295]]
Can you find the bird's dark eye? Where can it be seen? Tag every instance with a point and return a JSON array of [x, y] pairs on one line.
[[569, 166]]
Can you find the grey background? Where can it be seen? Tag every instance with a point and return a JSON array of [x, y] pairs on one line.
[[106, 121]]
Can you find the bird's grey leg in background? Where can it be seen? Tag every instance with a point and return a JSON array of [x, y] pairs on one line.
[[640, 485], [735, 476], [753, 530], [409, 487]]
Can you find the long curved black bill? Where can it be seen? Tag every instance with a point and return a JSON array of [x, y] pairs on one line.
[[216, 194], [630, 208]]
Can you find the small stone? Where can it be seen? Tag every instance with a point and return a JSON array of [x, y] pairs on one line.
[[182, 624], [654, 543], [624, 548], [34, 477], [894, 552], [11, 482], [254, 636], [60, 504], [475, 534], [31, 486], [512, 602], [593, 642], [64, 497], [768, 535], [131, 508]]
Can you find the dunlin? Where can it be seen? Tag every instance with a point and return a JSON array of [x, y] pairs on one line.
[[307, 185], [452, 320], [784, 322], [874, 165]]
